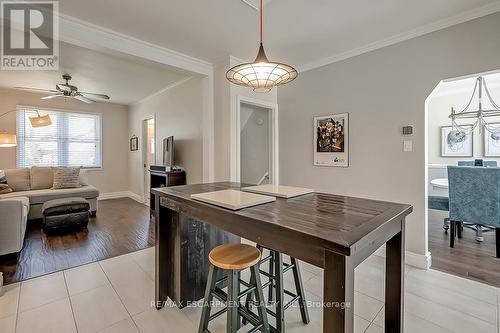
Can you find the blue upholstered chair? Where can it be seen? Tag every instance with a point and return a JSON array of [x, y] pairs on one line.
[[475, 198], [440, 203]]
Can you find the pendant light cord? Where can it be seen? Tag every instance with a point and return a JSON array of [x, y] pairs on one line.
[[260, 13]]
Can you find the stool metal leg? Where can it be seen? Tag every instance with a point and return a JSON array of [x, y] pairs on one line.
[[232, 302], [207, 300], [239, 290], [259, 298], [280, 309], [271, 291], [299, 288]]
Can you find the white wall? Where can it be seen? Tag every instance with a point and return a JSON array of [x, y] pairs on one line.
[[254, 142], [113, 175], [178, 112], [382, 90], [439, 108]]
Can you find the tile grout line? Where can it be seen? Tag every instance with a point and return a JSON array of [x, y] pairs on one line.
[[17, 309], [44, 304], [120, 298], [454, 291], [452, 309], [70, 302]]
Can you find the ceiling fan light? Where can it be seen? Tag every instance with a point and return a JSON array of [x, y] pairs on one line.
[[7, 140], [40, 121]]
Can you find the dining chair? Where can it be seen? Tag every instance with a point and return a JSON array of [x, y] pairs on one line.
[[478, 162], [440, 203], [474, 198]]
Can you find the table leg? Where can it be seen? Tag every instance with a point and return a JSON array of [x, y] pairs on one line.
[[164, 246], [394, 282], [338, 294]]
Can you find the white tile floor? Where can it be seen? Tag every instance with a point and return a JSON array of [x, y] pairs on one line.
[[115, 295]]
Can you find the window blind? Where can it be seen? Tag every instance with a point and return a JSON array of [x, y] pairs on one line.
[[72, 140]]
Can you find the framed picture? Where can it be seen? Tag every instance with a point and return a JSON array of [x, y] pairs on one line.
[[464, 148], [331, 140], [134, 143], [491, 147]]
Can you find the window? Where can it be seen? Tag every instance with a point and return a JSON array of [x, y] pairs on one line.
[[73, 139]]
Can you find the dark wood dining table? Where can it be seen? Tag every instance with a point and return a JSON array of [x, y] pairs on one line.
[[330, 231]]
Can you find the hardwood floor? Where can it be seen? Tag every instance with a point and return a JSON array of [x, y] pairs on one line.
[[469, 259], [121, 226]]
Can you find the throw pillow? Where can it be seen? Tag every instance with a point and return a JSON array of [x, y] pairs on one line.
[[4, 187], [66, 178]]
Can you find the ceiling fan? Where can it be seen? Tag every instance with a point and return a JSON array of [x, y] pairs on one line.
[[68, 90]]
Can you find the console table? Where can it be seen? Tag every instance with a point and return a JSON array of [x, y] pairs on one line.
[[159, 177]]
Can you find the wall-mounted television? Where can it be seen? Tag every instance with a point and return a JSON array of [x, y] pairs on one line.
[[168, 152]]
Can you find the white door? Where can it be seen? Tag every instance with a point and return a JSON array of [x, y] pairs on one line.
[[149, 156], [255, 144]]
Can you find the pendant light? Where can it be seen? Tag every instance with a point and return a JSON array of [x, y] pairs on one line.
[[261, 75], [40, 121]]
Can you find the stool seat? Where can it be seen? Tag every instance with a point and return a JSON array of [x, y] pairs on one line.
[[234, 256]]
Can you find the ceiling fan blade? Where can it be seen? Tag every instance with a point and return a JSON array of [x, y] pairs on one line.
[[83, 99], [52, 96], [92, 95], [63, 87], [36, 90]]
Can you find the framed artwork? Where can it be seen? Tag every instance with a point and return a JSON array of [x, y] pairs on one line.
[[491, 147], [331, 140], [134, 143], [464, 148]]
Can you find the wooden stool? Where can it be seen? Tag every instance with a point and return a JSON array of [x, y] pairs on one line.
[[233, 258], [276, 290]]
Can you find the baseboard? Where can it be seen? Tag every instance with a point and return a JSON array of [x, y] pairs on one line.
[[123, 194], [413, 259]]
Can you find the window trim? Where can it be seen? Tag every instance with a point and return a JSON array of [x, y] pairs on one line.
[[20, 107]]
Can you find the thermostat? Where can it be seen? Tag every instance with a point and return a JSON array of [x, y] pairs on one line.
[[408, 130]]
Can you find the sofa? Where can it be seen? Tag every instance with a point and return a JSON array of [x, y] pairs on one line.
[[31, 187]]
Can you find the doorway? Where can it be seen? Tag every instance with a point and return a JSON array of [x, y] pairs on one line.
[[255, 142], [149, 152], [474, 253]]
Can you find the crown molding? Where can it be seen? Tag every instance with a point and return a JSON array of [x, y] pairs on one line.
[[85, 34], [423, 30], [254, 4], [161, 91]]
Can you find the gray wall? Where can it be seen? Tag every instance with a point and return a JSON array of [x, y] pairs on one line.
[[179, 112], [382, 91]]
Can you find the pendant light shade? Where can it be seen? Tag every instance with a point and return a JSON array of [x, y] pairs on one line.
[[40, 121], [261, 75], [7, 140]]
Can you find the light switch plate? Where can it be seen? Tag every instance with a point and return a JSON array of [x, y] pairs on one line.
[[407, 146]]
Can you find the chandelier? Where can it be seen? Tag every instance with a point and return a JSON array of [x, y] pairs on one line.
[[459, 132], [261, 75]]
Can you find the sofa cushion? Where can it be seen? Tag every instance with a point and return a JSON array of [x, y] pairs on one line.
[[41, 178], [40, 196], [18, 179], [66, 178]]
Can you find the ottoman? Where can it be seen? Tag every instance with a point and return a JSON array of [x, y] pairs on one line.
[[65, 213]]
